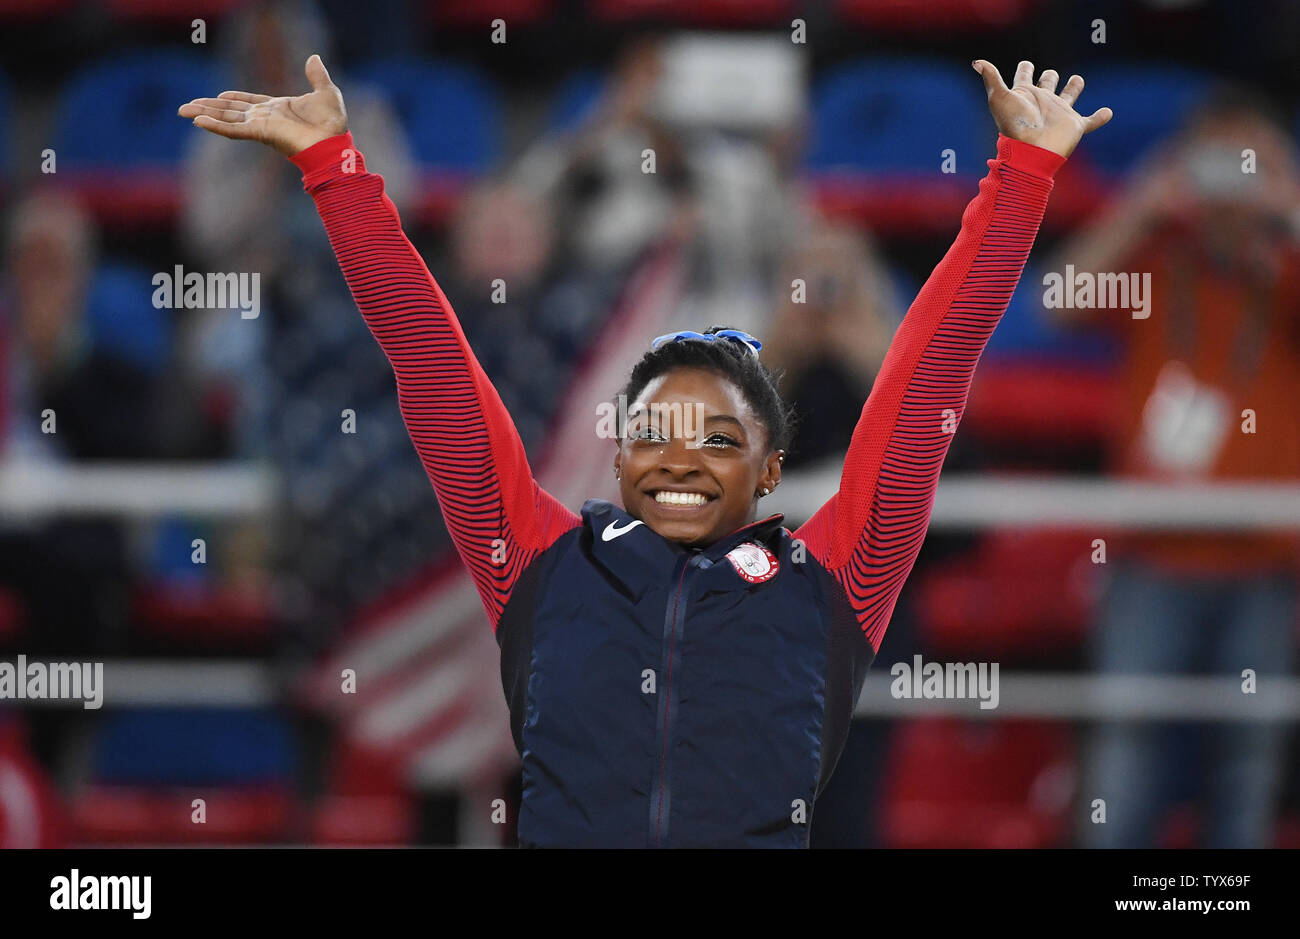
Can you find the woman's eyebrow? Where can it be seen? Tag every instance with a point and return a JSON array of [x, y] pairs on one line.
[[725, 417]]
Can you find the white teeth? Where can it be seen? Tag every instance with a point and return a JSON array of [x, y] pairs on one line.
[[680, 498]]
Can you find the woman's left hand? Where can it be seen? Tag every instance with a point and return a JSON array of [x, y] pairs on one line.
[[1036, 114]]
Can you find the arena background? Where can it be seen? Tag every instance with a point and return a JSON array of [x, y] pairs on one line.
[[230, 517]]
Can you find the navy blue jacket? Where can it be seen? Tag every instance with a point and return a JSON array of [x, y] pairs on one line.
[[662, 699]]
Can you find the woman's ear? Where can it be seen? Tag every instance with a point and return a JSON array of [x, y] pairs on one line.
[[771, 477], [618, 463]]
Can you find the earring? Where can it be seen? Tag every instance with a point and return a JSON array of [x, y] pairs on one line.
[[766, 491]]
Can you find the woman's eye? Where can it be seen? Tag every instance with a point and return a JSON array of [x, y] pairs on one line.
[[718, 440], [647, 433]]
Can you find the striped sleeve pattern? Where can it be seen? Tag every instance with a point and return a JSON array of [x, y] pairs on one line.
[[499, 518], [869, 533]]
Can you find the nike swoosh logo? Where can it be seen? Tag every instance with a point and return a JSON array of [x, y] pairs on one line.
[[612, 530]]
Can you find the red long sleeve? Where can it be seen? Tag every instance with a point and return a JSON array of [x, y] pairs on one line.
[[870, 532], [461, 430]]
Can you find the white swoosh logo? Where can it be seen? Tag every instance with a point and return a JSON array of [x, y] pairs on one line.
[[612, 530]]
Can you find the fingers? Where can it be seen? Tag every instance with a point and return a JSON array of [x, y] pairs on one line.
[[1098, 118], [316, 73], [1047, 81], [992, 77], [217, 109], [1071, 90], [236, 130], [1024, 74], [244, 96], [213, 104]]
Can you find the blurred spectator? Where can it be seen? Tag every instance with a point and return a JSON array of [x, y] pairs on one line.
[[527, 318], [1223, 336], [103, 406], [68, 574], [635, 174], [288, 376], [836, 314]]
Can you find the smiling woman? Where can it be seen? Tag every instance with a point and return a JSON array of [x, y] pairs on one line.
[[680, 674], [707, 431]]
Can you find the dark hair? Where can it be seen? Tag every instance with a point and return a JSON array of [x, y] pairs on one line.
[[732, 360]]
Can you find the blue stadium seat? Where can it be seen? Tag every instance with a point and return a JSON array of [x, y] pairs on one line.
[[451, 113], [193, 746], [1026, 330], [896, 116], [454, 120], [879, 132], [1150, 103], [140, 128], [123, 320], [125, 158]]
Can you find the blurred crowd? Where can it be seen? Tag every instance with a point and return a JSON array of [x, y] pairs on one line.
[[568, 221]]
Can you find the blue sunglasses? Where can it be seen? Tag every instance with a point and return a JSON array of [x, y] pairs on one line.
[[735, 335]]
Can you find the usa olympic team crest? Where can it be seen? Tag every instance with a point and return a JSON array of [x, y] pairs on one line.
[[754, 562]]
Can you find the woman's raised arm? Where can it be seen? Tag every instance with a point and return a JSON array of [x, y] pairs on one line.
[[499, 518], [868, 535]]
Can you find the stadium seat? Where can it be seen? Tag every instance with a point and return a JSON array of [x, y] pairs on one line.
[[1150, 103], [125, 160], [474, 13], [1022, 594], [987, 784], [123, 320], [964, 15], [33, 9], [367, 801], [737, 13], [1027, 330], [879, 132], [148, 765], [453, 117], [170, 11]]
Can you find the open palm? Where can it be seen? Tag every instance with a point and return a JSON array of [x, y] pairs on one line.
[[1035, 113], [289, 124]]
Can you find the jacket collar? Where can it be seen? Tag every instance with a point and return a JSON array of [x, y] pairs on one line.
[[635, 551]]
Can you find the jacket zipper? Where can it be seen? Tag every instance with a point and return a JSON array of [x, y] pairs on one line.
[[675, 614]]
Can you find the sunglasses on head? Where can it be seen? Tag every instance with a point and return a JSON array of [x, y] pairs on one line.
[[735, 335]]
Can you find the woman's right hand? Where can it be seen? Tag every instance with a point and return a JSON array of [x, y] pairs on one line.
[[290, 125]]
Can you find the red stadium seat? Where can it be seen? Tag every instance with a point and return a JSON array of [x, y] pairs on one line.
[[105, 814], [925, 14], [1022, 592], [958, 784], [170, 10], [1006, 403], [198, 614], [472, 13], [34, 9], [363, 820], [696, 12]]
